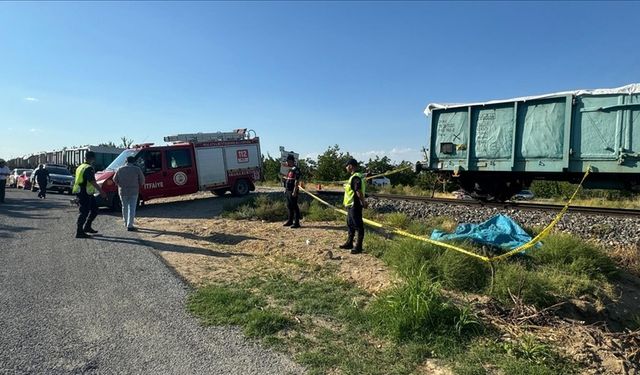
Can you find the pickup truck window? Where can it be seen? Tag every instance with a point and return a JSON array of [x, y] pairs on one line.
[[180, 158], [150, 161]]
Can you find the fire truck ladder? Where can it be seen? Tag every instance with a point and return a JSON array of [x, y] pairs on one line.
[[236, 135]]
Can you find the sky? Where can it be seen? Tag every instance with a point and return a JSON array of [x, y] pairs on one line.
[[303, 75]]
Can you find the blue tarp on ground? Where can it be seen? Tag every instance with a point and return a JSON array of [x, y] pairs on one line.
[[499, 231]]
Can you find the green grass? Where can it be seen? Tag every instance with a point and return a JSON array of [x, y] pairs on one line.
[[563, 268], [524, 356], [329, 325], [273, 207]]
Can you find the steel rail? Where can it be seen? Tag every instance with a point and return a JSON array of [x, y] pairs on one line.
[[618, 212]]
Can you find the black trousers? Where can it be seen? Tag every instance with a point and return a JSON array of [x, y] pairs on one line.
[[292, 206], [355, 224], [88, 211], [42, 188], [3, 184]]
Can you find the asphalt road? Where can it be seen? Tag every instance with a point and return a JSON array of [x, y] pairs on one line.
[[102, 305]]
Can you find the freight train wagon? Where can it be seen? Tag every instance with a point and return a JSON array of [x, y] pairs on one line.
[[104, 155], [496, 148]]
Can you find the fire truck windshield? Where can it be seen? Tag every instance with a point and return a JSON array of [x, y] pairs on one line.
[[121, 159]]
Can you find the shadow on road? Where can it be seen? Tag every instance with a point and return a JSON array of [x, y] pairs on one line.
[[327, 227], [10, 231], [201, 208], [218, 238], [161, 246], [25, 208]]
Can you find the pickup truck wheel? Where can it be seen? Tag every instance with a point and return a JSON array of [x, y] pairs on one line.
[[240, 188], [219, 192], [116, 205]]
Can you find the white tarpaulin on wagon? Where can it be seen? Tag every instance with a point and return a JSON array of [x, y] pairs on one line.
[[630, 89]]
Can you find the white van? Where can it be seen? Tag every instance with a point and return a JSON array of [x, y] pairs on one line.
[[380, 181]]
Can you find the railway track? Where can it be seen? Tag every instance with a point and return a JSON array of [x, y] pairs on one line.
[[604, 211]]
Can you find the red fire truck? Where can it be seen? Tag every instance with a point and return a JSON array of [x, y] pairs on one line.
[[218, 162]]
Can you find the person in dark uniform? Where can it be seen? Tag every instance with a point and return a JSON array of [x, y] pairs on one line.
[[354, 202], [41, 175], [291, 181], [85, 186]]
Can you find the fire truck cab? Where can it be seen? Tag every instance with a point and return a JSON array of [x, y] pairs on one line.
[[218, 162]]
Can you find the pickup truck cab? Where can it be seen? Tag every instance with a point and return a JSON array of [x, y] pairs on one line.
[[217, 162]]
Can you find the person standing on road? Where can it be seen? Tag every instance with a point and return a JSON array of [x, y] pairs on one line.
[[291, 191], [354, 202], [129, 178], [85, 186], [4, 173], [42, 176]]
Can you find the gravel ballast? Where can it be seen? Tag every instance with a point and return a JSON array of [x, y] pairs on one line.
[[607, 230]]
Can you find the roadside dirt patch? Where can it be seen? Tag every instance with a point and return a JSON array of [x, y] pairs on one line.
[[215, 249]]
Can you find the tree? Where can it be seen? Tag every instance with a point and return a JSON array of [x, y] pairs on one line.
[[126, 142], [405, 177], [331, 165], [308, 168], [108, 144], [378, 165], [270, 169]]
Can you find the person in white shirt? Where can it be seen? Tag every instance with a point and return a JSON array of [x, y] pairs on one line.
[[4, 173]]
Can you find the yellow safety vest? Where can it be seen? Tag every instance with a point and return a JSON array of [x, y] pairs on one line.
[[80, 179], [349, 194]]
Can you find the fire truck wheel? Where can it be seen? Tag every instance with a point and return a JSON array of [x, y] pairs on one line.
[[115, 203], [219, 192], [240, 188]]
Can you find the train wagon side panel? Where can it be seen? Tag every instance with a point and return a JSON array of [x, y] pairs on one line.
[[531, 136], [543, 134]]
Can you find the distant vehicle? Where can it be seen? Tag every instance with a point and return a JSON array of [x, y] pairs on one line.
[[523, 195], [217, 162], [12, 180], [60, 179], [461, 194], [380, 181], [24, 180]]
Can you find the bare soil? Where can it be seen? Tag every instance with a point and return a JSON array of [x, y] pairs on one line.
[[222, 250]]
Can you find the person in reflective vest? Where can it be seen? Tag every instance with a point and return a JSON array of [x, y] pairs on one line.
[[291, 181], [354, 202], [85, 186]]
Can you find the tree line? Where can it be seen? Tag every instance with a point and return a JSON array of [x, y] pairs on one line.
[[330, 166]]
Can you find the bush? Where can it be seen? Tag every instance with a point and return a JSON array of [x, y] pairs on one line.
[[417, 311], [575, 256], [319, 212], [513, 278], [461, 272]]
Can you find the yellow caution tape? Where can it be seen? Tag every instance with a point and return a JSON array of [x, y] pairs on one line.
[[517, 250], [399, 231], [546, 230], [389, 173]]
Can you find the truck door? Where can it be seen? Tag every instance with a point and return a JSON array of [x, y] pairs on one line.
[[150, 161], [181, 177]]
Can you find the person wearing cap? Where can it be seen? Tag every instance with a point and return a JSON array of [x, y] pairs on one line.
[[4, 173], [291, 181], [85, 186], [354, 202]]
